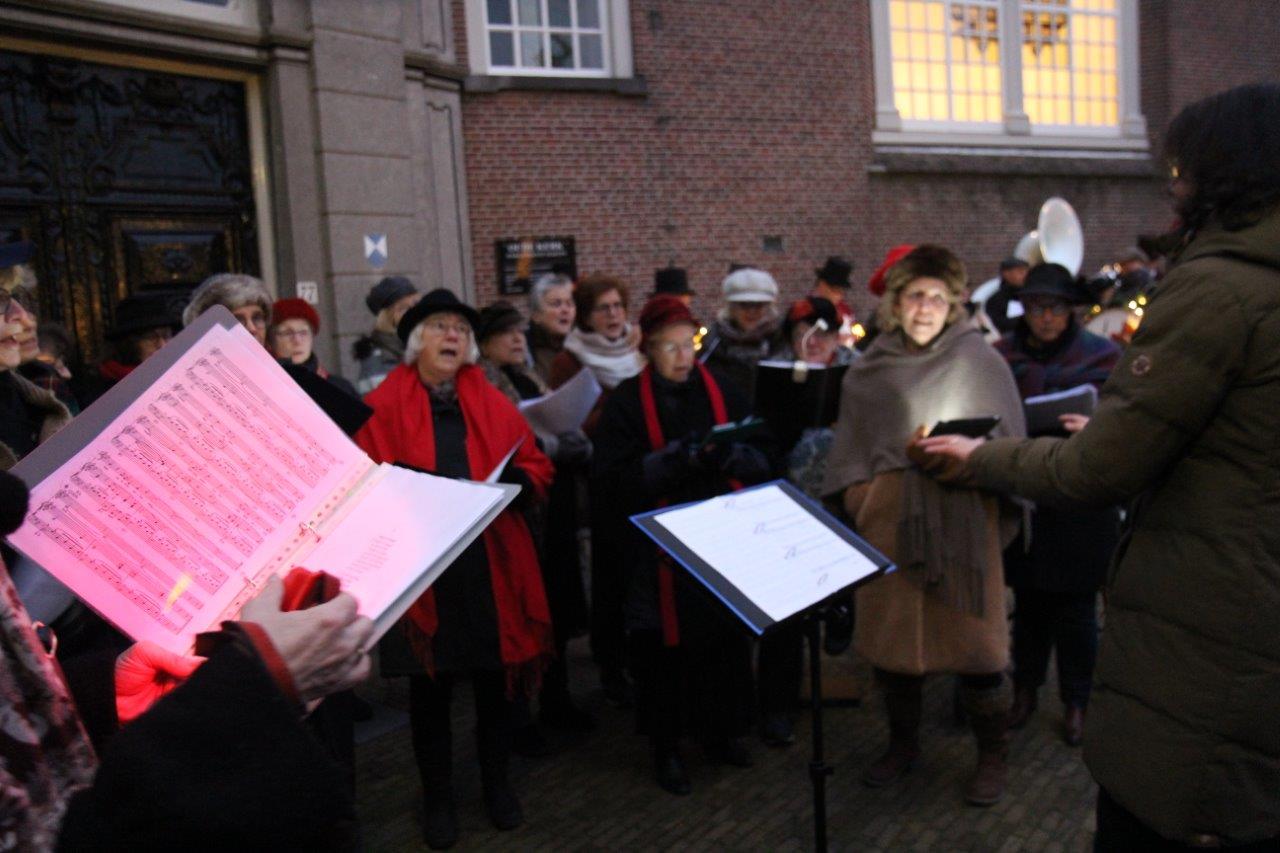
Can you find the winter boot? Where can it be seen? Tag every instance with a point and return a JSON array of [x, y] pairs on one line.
[[904, 701], [988, 710]]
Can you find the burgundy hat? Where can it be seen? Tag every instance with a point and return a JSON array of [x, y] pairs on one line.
[[876, 283], [661, 311], [295, 309]]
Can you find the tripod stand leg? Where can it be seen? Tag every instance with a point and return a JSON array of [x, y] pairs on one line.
[[818, 769]]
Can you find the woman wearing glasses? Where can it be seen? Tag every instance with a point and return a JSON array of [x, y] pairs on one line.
[[486, 617], [28, 414], [603, 342], [690, 657], [295, 324], [1056, 574], [944, 609]]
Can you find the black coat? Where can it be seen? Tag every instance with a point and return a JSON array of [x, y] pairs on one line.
[[221, 763], [621, 448]]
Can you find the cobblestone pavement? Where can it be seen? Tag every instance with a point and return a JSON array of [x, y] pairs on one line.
[[597, 792]]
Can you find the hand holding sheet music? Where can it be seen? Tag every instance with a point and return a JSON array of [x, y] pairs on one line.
[[765, 549]]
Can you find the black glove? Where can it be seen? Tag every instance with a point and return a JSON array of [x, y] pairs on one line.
[[572, 448], [664, 469], [514, 475], [744, 463]]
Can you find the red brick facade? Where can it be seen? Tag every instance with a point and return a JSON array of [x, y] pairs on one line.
[[757, 122]]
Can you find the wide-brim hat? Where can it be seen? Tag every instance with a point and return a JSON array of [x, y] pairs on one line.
[[673, 280], [158, 309], [497, 318], [438, 301], [1052, 281], [835, 272]]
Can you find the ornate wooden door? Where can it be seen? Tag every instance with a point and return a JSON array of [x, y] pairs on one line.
[[126, 180]]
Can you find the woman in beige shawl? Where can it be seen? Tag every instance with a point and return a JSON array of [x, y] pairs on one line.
[[943, 610]]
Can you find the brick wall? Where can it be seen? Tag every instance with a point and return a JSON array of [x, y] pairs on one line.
[[757, 122]]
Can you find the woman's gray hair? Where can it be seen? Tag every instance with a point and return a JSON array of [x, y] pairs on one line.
[[413, 346], [231, 290], [542, 285]]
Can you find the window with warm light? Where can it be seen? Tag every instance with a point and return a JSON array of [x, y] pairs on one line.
[[1008, 68]]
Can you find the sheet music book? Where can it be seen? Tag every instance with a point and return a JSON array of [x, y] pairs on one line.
[[167, 503], [767, 552], [791, 407], [1043, 411], [564, 409]]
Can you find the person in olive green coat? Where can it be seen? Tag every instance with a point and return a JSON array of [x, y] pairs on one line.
[[1183, 735]]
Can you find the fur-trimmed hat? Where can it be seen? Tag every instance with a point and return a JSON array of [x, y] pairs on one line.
[[926, 261]]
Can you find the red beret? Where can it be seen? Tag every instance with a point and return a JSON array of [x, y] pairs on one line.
[[876, 283], [663, 310], [295, 309]]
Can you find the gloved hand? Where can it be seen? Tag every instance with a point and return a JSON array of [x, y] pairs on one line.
[[144, 673], [744, 463], [572, 448], [663, 469]]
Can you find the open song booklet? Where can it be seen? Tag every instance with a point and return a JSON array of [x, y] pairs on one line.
[[168, 503]]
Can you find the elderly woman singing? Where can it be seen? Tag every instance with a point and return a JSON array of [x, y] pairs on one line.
[[486, 617], [944, 609]]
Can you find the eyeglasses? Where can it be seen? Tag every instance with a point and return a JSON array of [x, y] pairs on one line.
[[440, 327], [556, 304], [608, 308], [918, 298], [294, 334], [1057, 309], [673, 347], [257, 320]]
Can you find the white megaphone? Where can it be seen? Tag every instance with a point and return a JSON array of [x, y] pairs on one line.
[[1058, 238]]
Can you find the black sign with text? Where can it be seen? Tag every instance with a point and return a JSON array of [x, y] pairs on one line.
[[522, 260]]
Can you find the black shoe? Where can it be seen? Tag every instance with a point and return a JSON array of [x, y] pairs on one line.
[[670, 773], [440, 825], [732, 751], [839, 634], [567, 717], [617, 687], [778, 730], [530, 742], [501, 803]]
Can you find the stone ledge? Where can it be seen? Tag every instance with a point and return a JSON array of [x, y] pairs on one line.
[[904, 160], [485, 83]]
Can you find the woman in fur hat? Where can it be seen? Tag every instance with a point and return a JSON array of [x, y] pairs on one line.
[[944, 609]]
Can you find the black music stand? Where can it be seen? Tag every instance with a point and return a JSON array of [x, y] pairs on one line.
[[853, 562]]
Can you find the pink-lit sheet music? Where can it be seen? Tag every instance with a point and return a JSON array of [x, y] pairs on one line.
[[169, 512]]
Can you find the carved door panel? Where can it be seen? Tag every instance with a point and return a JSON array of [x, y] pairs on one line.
[[125, 179]]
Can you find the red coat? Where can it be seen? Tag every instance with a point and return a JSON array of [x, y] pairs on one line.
[[401, 430]]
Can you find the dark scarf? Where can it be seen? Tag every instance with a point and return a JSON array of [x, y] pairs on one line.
[[887, 394]]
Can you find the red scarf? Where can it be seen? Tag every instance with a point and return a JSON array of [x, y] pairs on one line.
[[113, 371], [653, 426], [401, 430]]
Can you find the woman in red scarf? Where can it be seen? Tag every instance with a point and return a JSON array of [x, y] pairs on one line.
[[690, 657], [487, 614]]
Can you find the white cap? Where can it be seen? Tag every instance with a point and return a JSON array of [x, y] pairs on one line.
[[749, 285]]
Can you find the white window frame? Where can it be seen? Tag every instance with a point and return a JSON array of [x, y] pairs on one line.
[[239, 13], [1016, 129], [616, 29]]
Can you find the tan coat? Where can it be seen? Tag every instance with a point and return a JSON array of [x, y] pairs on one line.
[[902, 629]]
